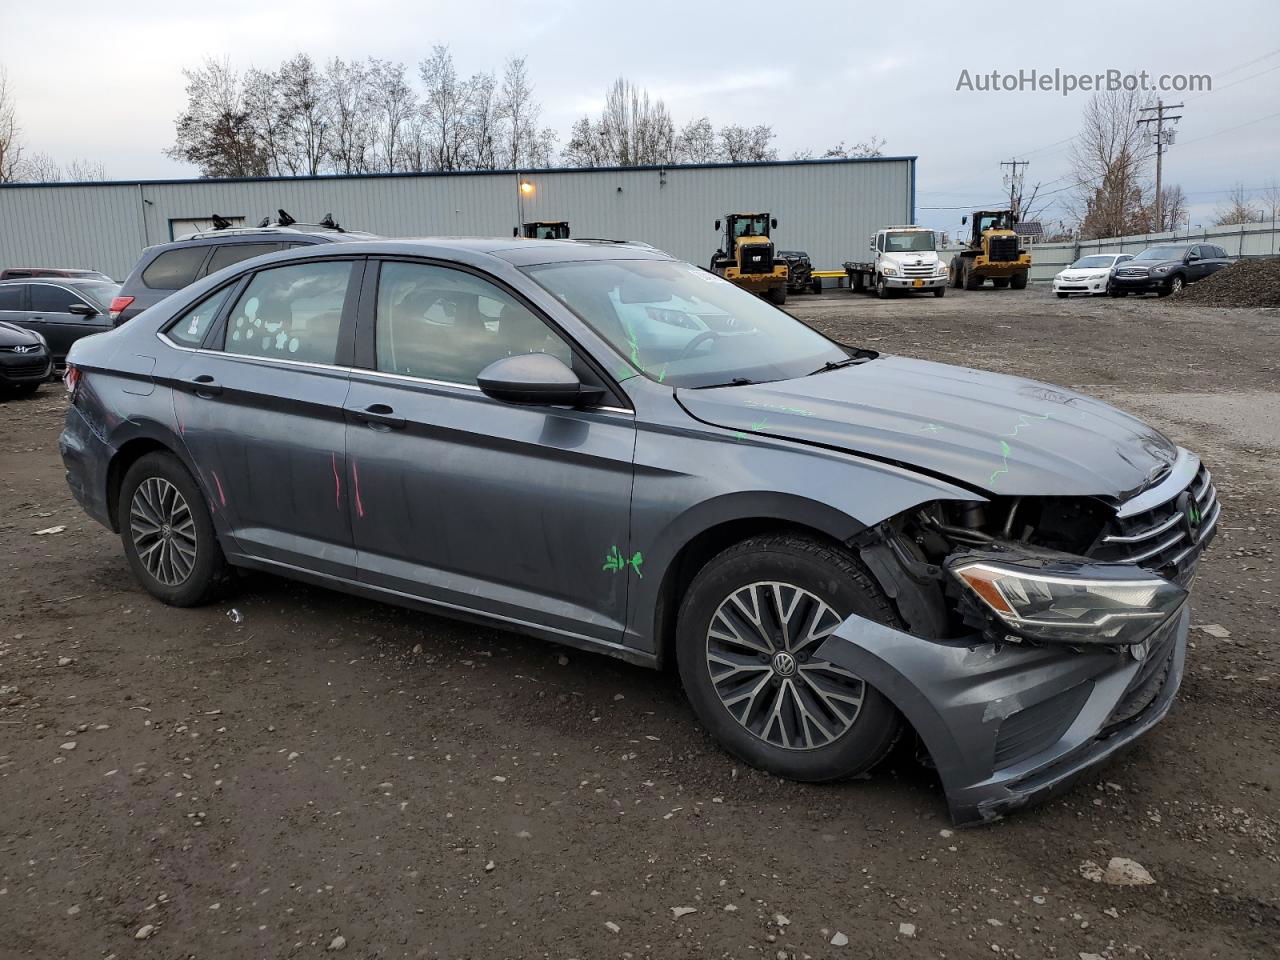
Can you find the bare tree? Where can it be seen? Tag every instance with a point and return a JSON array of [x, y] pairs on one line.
[[1173, 208], [524, 144], [446, 102], [392, 103], [1270, 199], [1109, 162], [215, 132], [747, 144], [1238, 208], [348, 95], [633, 130], [265, 115], [41, 168], [306, 109], [696, 142], [10, 133], [484, 123]]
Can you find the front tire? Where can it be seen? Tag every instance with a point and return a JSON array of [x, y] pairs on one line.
[[882, 289], [1061, 295], [1175, 287], [939, 291], [167, 534], [746, 634], [776, 295]]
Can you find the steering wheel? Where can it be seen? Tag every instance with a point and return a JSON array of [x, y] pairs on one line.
[[697, 341]]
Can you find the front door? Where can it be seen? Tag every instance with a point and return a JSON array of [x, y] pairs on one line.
[[259, 408], [519, 513], [50, 314]]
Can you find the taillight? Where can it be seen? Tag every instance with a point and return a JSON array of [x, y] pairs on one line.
[[118, 306], [71, 378]]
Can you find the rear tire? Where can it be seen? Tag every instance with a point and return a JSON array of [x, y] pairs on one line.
[[971, 280], [957, 274], [850, 725], [167, 534]]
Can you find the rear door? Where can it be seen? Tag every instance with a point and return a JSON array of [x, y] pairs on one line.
[[519, 512], [50, 313], [226, 254], [260, 408]]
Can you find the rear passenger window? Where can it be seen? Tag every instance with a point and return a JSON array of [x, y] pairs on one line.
[[291, 313], [443, 324], [225, 256], [174, 269], [11, 295], [194, 324]]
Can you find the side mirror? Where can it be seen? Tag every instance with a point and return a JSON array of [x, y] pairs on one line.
[[965, 218], [871, 244], [1189, 257], [717, 226], [82, 310], [536, 379], [515, 231], [773, 223]]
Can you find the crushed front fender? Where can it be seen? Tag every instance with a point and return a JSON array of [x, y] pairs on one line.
[[1011, 726]]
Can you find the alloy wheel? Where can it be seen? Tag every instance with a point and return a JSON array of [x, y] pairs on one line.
[[163, 531], [760, 656]]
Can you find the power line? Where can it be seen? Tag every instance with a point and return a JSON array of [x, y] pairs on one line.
[[1229, 129]]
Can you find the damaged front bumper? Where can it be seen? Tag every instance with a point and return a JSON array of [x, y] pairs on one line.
[[1013, 725]]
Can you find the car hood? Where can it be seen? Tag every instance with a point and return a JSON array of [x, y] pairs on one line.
[[12, 335], [997, 433], [1090, 274]]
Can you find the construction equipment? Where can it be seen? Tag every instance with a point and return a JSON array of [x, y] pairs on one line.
[[992, 251], [543, 230], [746, 255], [800, 277]]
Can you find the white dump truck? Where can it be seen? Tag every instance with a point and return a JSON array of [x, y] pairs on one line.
[[904, 258]]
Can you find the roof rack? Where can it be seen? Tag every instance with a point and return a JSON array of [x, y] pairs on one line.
[[283, 223]]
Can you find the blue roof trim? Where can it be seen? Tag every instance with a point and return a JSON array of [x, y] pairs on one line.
[[832, 161]]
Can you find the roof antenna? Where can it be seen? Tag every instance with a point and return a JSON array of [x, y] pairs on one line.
[[331, 224], [220, 222], [285, 220]]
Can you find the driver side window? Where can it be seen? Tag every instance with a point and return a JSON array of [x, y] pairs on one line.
[[438, 323]]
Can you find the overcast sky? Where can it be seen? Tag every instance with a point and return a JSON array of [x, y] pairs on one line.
[[102, 81]]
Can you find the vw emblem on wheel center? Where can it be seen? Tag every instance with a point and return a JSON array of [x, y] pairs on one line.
[[784, 664]]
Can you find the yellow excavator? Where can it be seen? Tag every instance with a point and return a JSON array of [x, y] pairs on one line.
[[543, 230], [747, 257], [991, 252]]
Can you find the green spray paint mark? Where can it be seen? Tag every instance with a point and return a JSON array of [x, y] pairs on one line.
[[1024, 420], [615, 561], [930, 428], [1004, 455], [779, 408], [662, 374]]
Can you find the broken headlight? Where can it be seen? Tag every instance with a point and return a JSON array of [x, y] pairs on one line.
[[1081, 603]]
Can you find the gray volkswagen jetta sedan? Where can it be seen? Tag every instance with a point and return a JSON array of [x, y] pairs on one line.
[[610, 448]]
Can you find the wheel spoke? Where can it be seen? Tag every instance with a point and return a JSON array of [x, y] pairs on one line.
[[758, 648]]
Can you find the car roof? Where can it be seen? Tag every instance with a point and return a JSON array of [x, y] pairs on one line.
[[68, 281], [518, 251]]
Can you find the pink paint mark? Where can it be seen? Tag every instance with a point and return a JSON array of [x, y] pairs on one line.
[[337, 482], [222, 497], [355, 474], [182, 427]]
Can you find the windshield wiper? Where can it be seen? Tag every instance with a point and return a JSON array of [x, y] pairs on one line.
[[837, 364], [735, 382]]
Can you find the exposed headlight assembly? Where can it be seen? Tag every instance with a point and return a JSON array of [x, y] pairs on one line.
[[888, 271], [942, 270], [1085, 603]]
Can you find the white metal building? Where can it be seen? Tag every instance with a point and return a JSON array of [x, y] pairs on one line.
[[825, 207]]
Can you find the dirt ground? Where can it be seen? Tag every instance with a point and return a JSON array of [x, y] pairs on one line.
[[321, 767]]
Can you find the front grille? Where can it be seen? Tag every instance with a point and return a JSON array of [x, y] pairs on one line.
[[1040, 726], [1002, 248], [27, 366], [1131, 273], [757, 258], [1163, 539], [923, 270]]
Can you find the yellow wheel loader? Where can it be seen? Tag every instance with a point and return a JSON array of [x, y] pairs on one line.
[[992, 252], [747, 257]]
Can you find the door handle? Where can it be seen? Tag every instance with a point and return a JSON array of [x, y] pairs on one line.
[[203, 386], [379, 416]]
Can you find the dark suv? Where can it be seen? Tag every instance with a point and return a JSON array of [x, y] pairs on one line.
[[167, 267], [1168, 268]]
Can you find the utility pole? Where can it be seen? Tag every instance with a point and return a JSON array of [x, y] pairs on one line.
[[1015, 185], [1163, 139]]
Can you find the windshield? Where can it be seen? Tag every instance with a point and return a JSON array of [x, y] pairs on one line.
[[913, 241], [751, 227], [993, 221], [1094, 263], [1162, 253], [683, 326], [99, 293]]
